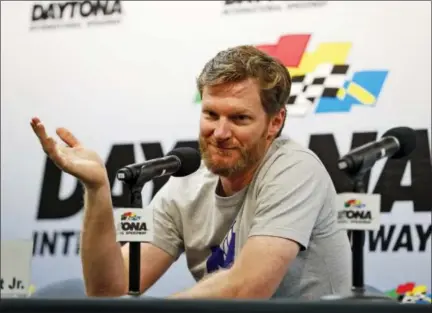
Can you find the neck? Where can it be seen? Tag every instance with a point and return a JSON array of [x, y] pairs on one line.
[[235, 183]]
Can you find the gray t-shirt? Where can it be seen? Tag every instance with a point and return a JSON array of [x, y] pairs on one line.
[[291, 196]]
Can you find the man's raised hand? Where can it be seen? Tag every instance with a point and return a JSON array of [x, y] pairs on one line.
[[73, 158]]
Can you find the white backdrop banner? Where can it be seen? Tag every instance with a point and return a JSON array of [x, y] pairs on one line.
[[121, 75]]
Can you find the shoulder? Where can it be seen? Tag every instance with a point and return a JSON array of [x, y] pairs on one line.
[[182, 191], [289, 163]]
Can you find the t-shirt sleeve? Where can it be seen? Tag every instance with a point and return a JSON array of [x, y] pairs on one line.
[[167, 223], [289, 199]]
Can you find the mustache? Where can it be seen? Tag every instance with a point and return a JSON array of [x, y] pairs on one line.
[[221, 144]]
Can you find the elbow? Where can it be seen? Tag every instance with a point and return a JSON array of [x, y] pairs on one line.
[[244, 286], [244, 289]]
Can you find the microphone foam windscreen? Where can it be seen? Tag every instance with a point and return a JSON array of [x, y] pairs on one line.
[[406, 138], [190, 160]]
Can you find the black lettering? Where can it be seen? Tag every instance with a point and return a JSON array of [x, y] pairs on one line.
[[62, 7], [55, 242], [126, 226], [424, 236], [101, 7], [358, 214], [116, 7], [382, 237], [50, 11], [38, 12], [35, 241], [404, 239], [389, 182], [86, 8], [15, 284], [324, 146], [72, 10], [49, 243], [66, 235], [1, 283]]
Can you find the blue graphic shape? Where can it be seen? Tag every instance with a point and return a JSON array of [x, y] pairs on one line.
[[372, 81], [222, 256]]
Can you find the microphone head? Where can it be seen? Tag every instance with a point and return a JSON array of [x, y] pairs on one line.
[[190, 160], [406, 138]]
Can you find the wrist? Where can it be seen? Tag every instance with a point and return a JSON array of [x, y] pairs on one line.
[[97, 190], [97, 186]]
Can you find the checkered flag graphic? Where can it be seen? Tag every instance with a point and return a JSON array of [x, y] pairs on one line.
[[325, 81]]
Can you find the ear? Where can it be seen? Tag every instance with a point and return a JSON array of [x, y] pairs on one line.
[[276, 123]]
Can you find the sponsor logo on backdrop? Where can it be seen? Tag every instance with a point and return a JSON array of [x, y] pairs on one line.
[[50, 15], [390, 184], [322, 80], [231, 7], [411, 293]]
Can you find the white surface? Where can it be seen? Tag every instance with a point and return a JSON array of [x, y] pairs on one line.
[[15, 267]]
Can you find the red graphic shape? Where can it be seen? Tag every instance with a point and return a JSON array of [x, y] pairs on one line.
[[289, 49], [402, 289]]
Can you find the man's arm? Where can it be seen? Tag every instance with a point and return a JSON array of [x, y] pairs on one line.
[[105, 271], [154, 263], [256, 273], [105, 264]]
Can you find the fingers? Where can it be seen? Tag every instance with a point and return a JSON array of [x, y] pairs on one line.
[[48, 143], [68, 137]]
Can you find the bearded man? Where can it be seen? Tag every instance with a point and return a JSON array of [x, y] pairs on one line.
[[256, 220]]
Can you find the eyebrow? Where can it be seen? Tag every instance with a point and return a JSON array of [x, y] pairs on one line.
[[239, 111]]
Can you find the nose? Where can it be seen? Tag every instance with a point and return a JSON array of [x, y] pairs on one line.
[[222, 130]]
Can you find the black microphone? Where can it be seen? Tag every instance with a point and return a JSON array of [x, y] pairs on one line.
[[178, 162], [396, 143]]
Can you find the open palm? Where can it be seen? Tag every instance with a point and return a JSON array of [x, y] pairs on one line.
[[84, 164]]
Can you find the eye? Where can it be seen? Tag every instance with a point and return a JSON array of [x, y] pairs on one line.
[[210, 114], [241, 118]]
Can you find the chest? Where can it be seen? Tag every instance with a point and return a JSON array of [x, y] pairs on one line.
[[214, 233]]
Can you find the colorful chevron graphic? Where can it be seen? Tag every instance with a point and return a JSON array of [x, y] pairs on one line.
[[321, 80], [411, 293]]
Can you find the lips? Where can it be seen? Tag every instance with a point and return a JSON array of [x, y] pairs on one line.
[[222, 147]]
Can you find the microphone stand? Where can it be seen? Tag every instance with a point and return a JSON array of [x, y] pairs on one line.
[[135, 186], [358, 291]]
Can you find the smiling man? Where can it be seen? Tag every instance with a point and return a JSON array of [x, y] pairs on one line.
[[257, 220]]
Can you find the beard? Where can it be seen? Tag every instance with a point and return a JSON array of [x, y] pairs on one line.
[[228, 162]]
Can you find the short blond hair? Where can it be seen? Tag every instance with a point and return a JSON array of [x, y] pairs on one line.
[[243, 62]]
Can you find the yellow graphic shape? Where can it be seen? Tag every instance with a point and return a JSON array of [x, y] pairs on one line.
[[334, 53], [417, 290], [361, 94]]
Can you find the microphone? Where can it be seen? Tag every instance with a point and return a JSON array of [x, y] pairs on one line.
[[178, 163], [396, 143]]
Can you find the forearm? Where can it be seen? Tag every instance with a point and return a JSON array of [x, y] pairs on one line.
[[102, 262], [220, 285]]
